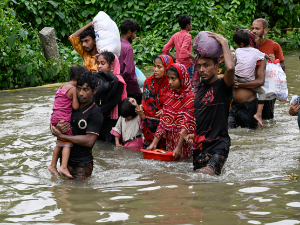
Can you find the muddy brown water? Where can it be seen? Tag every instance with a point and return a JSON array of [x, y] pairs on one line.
[[127, 189]]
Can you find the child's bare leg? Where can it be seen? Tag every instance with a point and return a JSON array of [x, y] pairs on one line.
[[258, 114], [64, 162], [52, 167]]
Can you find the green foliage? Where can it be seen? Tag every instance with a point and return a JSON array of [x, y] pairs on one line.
[[22, 62]]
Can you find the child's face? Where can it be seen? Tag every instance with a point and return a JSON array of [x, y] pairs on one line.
[[128, 118], [174, 80], [189, 27], [159, 69], [102, 64]]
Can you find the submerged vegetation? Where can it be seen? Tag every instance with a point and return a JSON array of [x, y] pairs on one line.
[[22, 62]]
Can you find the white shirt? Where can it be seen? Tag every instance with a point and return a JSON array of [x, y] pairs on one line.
[[129, 129], [246, 62]]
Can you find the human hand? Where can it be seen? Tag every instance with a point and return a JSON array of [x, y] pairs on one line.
[[294, 109], [272, 57], [133, 102], [218, 37], [176, 153], [55, 131], [119, 145], [63, 126], [139, 110], [236, 84], [189, 139], [158, 113], [152, 146]]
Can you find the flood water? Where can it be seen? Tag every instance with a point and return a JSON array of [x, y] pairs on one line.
[[127, 189]]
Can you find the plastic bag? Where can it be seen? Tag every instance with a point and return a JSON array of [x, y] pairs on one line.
[[275, 81], [107, 34], [140, 77]]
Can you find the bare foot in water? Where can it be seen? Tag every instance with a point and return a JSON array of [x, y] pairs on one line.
[[259, 120], [53, 170], [65, 171]]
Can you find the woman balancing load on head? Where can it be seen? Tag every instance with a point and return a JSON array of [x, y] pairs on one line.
[[154, 90], [177, 119], [111, 92]]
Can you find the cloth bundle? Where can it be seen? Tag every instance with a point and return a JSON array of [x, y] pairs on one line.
[[107, 34], [205, 47]]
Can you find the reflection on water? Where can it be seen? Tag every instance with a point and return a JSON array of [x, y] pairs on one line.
[[125, 188]]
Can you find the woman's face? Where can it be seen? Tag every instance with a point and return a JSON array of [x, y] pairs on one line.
[[103, 65], [159, 69], [174, 80]]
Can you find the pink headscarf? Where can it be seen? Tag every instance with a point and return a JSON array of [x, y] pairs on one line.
[[116, 71]]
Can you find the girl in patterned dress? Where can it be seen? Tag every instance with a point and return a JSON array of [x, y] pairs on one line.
[[177, 119]]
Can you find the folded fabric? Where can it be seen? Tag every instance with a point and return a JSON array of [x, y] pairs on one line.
[[295, 98]]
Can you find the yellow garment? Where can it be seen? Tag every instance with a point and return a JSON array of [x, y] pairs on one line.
[[88, 60]]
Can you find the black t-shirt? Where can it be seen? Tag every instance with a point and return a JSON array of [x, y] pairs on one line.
[[212, 104], [83, 121]]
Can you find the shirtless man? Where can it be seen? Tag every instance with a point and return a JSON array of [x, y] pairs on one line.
[[244, 105]]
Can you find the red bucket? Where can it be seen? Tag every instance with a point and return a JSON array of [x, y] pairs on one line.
[[157, 154]]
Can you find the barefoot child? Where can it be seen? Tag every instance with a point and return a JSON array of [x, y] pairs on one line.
[[177, 118], [65, 101], [246, 58], [129, 125]]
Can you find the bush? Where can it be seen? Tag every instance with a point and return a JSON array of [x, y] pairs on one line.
[[22, 62]]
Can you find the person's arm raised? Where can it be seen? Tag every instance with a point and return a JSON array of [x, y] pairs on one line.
[[259, 81], [78, 32], [229, 63]]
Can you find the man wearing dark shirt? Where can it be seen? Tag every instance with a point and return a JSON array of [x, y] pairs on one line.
[[86, 123], [212, 101], [129, 28]]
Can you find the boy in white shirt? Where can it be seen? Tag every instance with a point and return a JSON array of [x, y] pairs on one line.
[[246, 59]]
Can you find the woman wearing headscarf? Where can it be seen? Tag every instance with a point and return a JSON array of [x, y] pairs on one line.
[[154, 89], [177, 118]]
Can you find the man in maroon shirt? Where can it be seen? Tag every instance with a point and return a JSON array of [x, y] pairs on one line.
[[273, 50], [129, 28], [183, 43]]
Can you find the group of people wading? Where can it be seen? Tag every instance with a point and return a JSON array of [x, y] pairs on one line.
[[185, 107]]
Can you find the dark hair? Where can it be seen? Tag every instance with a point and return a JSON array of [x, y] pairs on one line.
[[263, 21], [76, 70], [89, 78], [184, 20], [173, 69], [108, 56], [157, 57], [88, 32], [127, 109], [215, 60], [242, 36], [129, 24]]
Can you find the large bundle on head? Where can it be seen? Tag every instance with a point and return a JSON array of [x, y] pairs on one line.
[[107, 34], [205, 47]]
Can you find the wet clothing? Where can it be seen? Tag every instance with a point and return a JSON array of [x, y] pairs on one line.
[[130, 131], [87, 120], [127, 68], [154, 92], [212, 103], [271, 47], [81, 173], [242, 115], [62, 110], [183, 43], [178, 113], [268, 110], [107, 97], [88, 60], [214, 160]]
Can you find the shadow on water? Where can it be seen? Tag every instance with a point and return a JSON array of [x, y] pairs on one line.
[[125, 188]]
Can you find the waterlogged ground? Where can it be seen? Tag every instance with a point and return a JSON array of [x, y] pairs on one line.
[[127, 189]]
